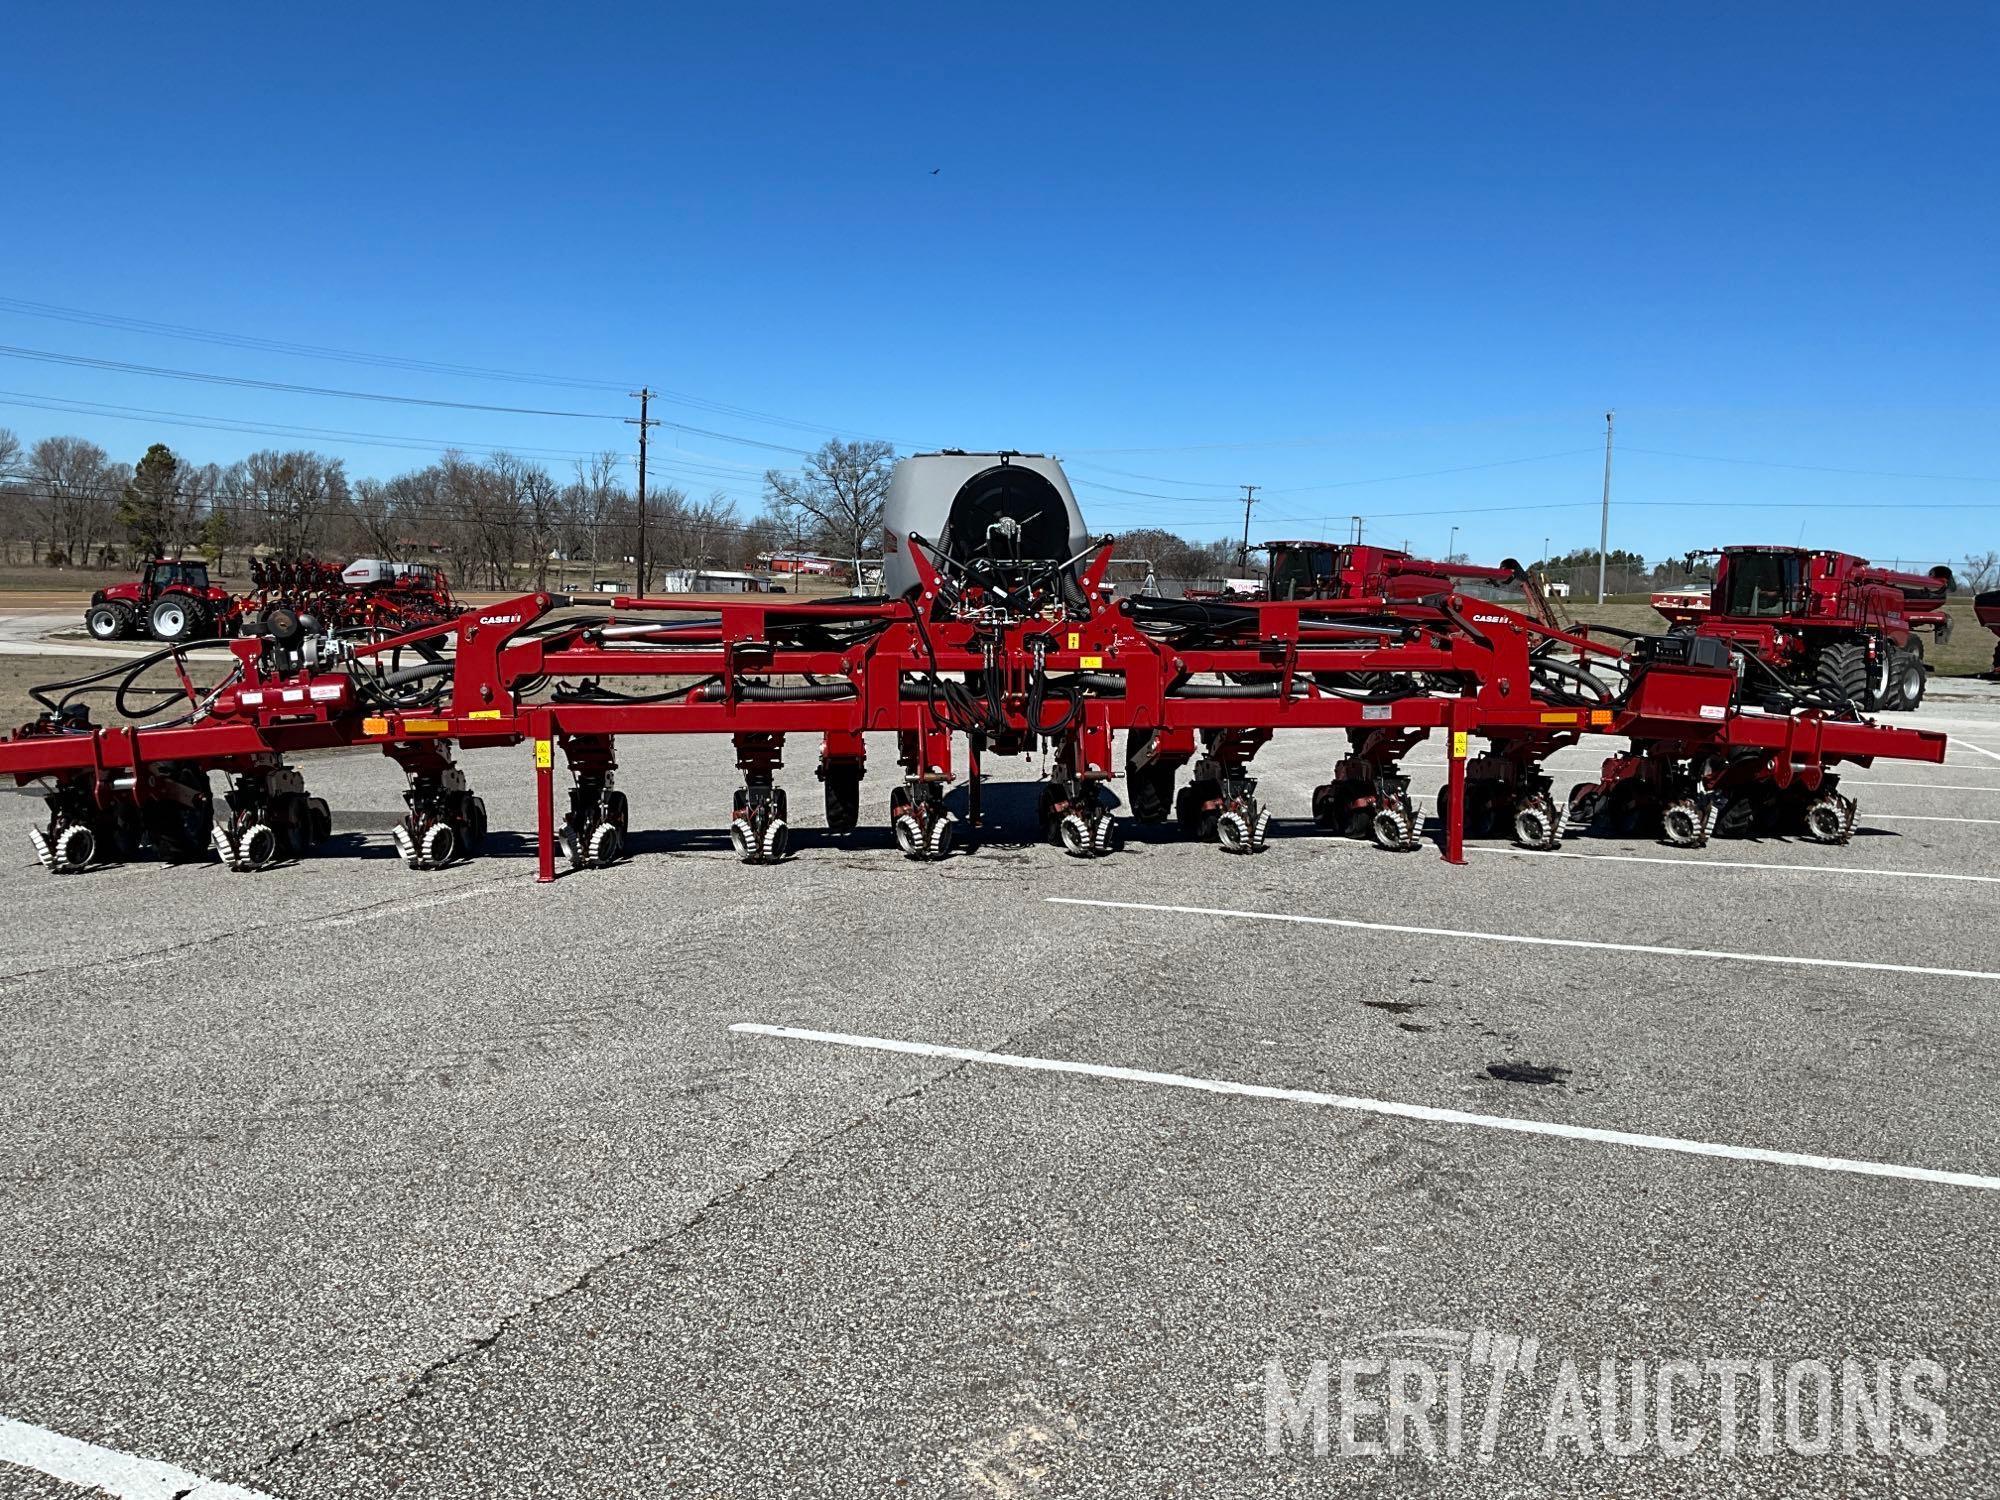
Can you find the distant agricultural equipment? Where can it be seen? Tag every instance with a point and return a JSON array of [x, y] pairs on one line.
[[1986, 608], [998, 635], [171, 600], [1821, 626], [301, 596], [1339, 570]]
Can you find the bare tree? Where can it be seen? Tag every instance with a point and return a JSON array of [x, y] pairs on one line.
[[78, 486], [374, 511], [537, 503], [295, 499], [16, 514], [836, 501], [1982, 571], [199, 494], [593, 498]]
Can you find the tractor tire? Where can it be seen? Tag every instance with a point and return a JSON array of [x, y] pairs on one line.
[[1911, 679], [1883, 686], [109, 622], [178, 617], [1842, 672]]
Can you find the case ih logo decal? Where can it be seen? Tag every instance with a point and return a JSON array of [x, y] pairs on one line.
[[499, 619]]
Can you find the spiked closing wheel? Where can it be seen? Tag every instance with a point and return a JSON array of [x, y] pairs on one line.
[[1684, 824], [73, 849], [256, 846], [1394, 828], [440, 844], [1830, 819], [1536, 824]]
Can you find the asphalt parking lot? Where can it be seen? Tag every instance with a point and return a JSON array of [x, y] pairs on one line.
[[344, 1180]]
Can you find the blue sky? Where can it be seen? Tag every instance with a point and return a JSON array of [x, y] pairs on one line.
[[1328, 250]]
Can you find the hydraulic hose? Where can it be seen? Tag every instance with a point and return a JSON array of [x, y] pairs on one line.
[[122, 681], [1599, 692], [757, 692]]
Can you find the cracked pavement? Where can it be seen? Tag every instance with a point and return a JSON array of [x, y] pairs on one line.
[[342, 1180]]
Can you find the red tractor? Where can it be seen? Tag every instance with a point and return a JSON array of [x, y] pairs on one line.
[[171, 601], [1827, 623]]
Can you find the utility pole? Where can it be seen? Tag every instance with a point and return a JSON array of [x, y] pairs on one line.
[[1243, 552], [1604, 520], [642, 421]]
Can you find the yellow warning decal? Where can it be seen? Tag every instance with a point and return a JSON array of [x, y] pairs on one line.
[[545, 755], [484, 713], [1559, 718], [1458, 738], [1090, 661], [426, 726], [1075, 639], [374, 726]]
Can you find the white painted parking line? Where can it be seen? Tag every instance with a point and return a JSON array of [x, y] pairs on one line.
[[1871, 816], [106, 1470], [1979, 749], [1526, 940], [1698, 862], [1428, 1113], [1851, 781]]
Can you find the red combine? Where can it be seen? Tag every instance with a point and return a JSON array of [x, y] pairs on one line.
[[1986, 608], [1825, 626], [171, 601]]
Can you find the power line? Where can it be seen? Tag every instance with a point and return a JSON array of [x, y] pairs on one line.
[[34, 401], [1498, 463], [1192, 484], [124, 367], [401, 362], [692, 467], [1763, 463], [282, 346], [1113, 489], [1340, 484]]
